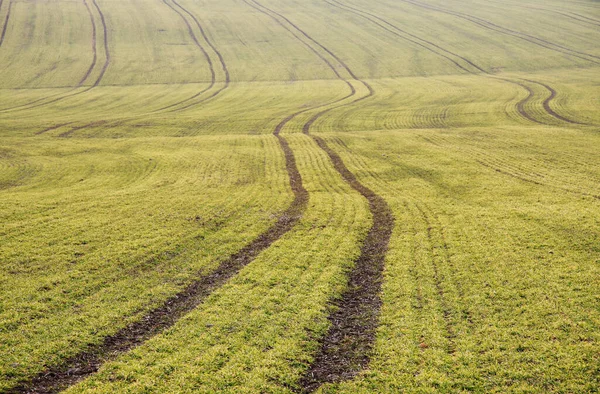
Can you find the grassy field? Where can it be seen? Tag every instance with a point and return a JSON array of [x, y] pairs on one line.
[[270, 146]]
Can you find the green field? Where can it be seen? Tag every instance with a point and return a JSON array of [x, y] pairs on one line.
[[341, 196]]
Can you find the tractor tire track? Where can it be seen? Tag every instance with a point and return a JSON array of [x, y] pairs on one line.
[[503, 30], [6, 19], [393, 29], [218, 54], [387, 26], [57, 126], [592, 20], [345, 349], [94, 49], [105, 66], [378, 21], [213, 77], [501, 167], [318, 115], [450, 329], [261, 8], [105, 42], [78, 367], [570, 15], [549, 99]]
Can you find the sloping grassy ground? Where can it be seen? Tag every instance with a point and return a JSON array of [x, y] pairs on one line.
[[130, 163]]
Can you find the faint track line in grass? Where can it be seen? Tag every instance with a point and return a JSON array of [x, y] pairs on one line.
[[94, 49], [520, 106], [595, 21], [6, 20], [213, 78], [34, 104], [402, 33], [570, 15], [523, 36], [504, 168], [438, 279], [87, 362], [345, 349], [58, 126]]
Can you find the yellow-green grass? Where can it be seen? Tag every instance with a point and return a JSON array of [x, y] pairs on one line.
[[489, 282], [256, 333], [96, 233], [113, 197]]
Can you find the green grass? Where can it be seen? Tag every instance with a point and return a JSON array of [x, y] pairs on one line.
[[110, 203]]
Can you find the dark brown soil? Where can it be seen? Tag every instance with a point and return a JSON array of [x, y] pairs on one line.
[[86, 363], [346, 348]]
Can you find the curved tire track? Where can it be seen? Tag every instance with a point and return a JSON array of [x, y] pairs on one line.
[[549, 99], [6, 19], [219, 56], [345, 349], [86, 363], [497, 28], [105, 66], [521, 105], [213, 77], [94, 49]]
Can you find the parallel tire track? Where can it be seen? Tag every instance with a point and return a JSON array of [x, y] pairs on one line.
[[57, 126], [523, 36], [213, 77], [6, 19], [447, 54], [70, 94], [318, 115], [105, 41], [549, 99], [94, 49], [87, 362], [501, 166], [219, 56], [450, 329], [345, 349]]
